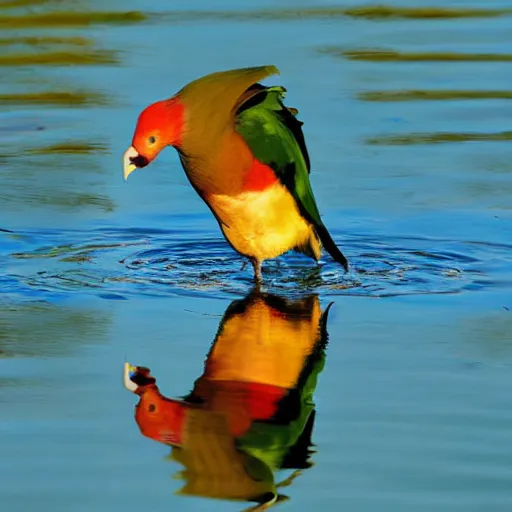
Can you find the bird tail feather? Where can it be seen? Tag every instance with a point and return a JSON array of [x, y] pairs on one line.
[[330, 246]]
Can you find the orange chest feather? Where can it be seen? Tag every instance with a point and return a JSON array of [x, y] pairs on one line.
[[259, 177], [237, 164]]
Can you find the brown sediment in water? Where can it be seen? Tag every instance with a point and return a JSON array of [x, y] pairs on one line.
[[70, 148], [71, 19], [73, 200], [45, 40], [396, 56], [437, 138], [9, 4], [266, 14], [60, 250], [56, 99], [432, 95], [77, 58], [387, 11], [380, 12], [59, 328]]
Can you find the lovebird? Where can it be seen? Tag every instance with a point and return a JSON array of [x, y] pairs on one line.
[[245, 154]]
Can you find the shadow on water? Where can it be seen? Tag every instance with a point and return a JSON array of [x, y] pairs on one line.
[[251, 413]]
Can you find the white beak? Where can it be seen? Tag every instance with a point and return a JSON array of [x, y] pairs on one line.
[[128, 167], [128, 384]]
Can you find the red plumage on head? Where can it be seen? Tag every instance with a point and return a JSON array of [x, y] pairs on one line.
[[159, 125]]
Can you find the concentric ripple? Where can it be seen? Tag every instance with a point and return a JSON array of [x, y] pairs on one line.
[[117, 263]]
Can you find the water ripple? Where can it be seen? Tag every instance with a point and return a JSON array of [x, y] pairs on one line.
[[115, 263]]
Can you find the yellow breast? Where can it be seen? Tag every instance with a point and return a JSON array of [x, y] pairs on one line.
[[262, 224]]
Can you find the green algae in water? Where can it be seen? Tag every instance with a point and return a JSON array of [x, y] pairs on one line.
[[396, 56], [433, 95], [67, 19], [56, 99], [9, 4], [70, 148], [380, 12], [45, 40], [437, 138], [72, 200], [45, 329], [71, 19], [76, 58], [266, 14], [386, 11], [78, 258], [72, 251]]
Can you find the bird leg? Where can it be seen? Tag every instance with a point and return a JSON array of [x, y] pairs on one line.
[[257, 270]]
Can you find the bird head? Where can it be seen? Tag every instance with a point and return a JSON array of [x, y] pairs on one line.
[[159, 125], [194, 119]]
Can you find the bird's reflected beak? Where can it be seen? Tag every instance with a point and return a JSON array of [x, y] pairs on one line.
[[132, 160], [129, 371]]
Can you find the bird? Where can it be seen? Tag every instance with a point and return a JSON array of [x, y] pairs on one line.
[[245, 154]]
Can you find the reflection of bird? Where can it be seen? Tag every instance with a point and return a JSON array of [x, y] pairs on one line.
[[252, 410], [245, 155]]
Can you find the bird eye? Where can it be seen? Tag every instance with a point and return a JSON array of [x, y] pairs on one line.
[[151, 408], [152, 139]]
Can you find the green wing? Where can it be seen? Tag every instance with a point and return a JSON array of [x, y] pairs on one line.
[[275, 137]]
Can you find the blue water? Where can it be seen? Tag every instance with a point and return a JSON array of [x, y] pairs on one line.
[[412, 403]]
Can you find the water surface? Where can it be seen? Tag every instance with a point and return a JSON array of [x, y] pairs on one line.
[[407, 117]]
